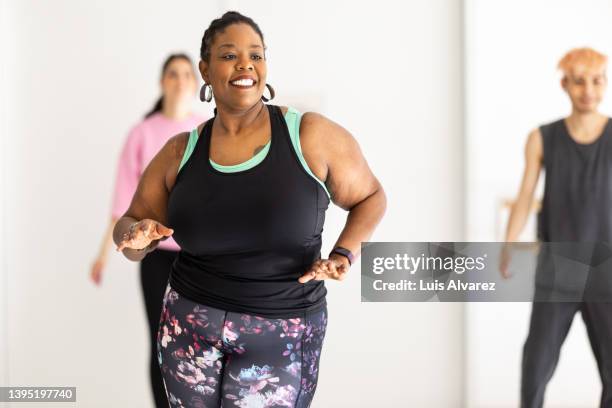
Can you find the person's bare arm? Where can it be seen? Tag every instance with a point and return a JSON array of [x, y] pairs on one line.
[[107, 239], [150, 200], [533, 165], [99, 263], [350, 182]]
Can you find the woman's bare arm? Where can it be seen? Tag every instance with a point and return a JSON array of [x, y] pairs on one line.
[[150, 200], [336, 158]]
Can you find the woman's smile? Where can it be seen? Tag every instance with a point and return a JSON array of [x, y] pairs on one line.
[[243, 82]]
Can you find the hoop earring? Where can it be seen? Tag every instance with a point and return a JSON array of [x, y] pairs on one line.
[[272, 93], [203, 96]]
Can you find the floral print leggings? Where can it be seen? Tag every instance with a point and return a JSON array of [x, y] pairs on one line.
[[214, 358]]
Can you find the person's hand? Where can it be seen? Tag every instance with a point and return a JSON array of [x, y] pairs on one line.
[[142, 233], [504, 260], [335, 267], [96, 270]]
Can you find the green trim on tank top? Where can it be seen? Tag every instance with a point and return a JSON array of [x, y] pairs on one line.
[[245, 165], [292, 118]]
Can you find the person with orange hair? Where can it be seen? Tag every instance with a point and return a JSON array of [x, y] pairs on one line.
[[576, 154]]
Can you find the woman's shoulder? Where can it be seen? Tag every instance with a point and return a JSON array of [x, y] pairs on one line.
[[146, 126], [284, 109], [176, 145], [320, 128], [150, 120], [135, 136], [306, 117], [171, 156], [198, 119], [158, 122]]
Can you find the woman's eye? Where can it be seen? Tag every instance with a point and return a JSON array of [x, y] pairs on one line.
[[256, 57], [229, 56]]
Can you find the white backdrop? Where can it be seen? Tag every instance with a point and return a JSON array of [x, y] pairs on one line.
[[82, 73], [6, 48], [512, 86]]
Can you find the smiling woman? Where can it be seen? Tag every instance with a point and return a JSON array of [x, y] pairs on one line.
[[245, 195]]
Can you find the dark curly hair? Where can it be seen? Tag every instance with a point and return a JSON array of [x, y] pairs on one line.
[[219, 25]]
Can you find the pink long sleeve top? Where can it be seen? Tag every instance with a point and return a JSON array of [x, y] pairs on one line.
[[142, 143]]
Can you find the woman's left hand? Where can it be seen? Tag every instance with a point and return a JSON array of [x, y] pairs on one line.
[[335, 267]]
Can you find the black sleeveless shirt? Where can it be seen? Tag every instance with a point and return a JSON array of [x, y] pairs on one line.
[[577, 204], [246, 237]]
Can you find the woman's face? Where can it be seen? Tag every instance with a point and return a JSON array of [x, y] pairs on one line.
[[236, 69], [179, 82]]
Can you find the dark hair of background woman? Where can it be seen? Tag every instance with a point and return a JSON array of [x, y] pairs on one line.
[[218, 25], [159, 105]]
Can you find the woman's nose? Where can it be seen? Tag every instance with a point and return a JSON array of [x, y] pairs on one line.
[[244, 65]]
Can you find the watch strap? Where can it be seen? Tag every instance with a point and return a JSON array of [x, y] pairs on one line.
[[344, 252]]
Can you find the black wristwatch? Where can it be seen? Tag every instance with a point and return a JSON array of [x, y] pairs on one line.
[[344, 252]]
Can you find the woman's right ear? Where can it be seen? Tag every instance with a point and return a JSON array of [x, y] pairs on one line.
[[203, 66]]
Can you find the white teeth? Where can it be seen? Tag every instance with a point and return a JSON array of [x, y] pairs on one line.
[[243, 82]]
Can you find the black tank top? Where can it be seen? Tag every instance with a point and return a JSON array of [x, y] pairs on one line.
[[577, 204], [247, 236]]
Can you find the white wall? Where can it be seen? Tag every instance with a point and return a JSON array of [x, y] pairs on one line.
[[389, 71], [512, 86], [6, 48]]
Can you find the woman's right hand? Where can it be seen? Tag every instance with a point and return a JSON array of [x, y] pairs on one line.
[[142, 233], [96, 270]]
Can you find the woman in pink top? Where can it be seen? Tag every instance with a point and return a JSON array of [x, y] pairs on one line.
[[171, 115]]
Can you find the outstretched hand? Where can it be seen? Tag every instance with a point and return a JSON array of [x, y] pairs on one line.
[[142, 233], [335, 267]]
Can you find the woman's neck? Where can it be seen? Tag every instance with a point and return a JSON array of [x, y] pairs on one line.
[[176, 110], [233, 122]]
